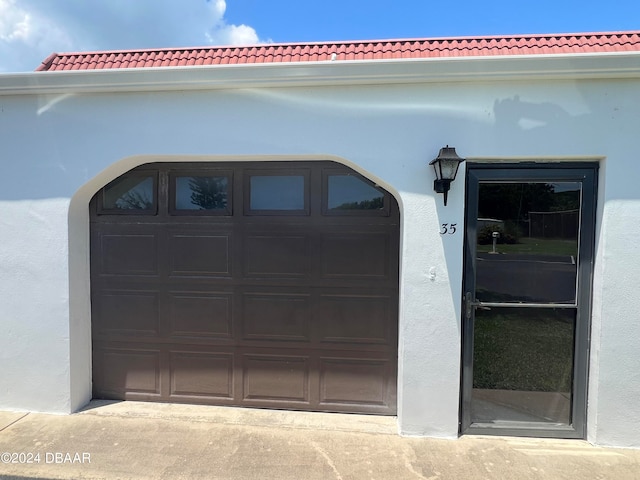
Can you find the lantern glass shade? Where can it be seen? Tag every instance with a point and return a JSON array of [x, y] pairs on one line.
[[446, 167], [446, 163]]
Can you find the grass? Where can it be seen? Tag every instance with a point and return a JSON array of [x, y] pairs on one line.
[[535, 246], [523, 350]]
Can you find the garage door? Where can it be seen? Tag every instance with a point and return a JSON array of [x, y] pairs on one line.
[[251, 284]]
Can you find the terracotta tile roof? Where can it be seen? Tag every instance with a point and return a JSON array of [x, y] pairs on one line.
[[355, 50]]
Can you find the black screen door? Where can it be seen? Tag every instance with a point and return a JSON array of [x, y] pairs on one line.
[[528, 268]]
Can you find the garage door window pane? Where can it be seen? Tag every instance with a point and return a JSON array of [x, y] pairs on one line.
[[277, 192], [346, 192], [202, 193], [129, 194]]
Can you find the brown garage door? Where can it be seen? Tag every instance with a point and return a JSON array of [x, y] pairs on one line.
[[253, 284]]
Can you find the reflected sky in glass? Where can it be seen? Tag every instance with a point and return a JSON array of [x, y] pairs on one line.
[[277, 192], [347, 192], [129, 193]]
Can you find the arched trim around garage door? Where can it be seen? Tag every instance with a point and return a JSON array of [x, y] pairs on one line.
[[266, 284]]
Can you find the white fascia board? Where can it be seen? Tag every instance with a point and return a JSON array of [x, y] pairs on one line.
[[354, 72]]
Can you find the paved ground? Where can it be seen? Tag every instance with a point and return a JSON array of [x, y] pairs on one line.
[[129, 440]]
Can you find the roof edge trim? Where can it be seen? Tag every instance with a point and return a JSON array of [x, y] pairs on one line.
[[325, 73]]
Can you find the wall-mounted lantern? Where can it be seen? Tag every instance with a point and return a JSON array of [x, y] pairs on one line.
[[446, 166]]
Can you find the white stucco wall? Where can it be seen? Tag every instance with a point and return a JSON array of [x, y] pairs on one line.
[[58, 149], [34, 345]]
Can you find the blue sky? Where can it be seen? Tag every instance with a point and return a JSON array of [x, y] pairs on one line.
[[318, 20], [32, 29]]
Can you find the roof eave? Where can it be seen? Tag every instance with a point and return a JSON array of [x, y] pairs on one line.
[[362, 72]]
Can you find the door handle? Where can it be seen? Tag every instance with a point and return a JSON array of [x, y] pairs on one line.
[[470, 303]]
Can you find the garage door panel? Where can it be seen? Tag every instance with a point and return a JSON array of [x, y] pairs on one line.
[[275, 378], [264, 303], [355, 319], [132, 370], [127, 312], [198, 255], [277, 316], [276, 256], [201, 374], [356, 256], [350, 381], [129, 254], [196, 314]]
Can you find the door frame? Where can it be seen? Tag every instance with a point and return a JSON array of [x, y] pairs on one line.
[[587, 174]]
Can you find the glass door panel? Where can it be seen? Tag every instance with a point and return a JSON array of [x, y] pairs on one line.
[[529, 244], [522, 365]]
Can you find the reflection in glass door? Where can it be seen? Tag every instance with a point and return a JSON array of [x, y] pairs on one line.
[[529, 245]]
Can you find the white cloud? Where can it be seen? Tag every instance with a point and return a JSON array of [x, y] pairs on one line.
[[223, 34], [14, 22], [233, 35], [30, 30]]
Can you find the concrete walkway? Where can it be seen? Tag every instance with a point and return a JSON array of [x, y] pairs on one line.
[[129, 440]]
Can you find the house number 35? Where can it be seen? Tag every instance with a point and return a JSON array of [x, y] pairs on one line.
[[448, 228]]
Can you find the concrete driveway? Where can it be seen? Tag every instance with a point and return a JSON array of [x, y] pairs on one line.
[[129, 440]]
